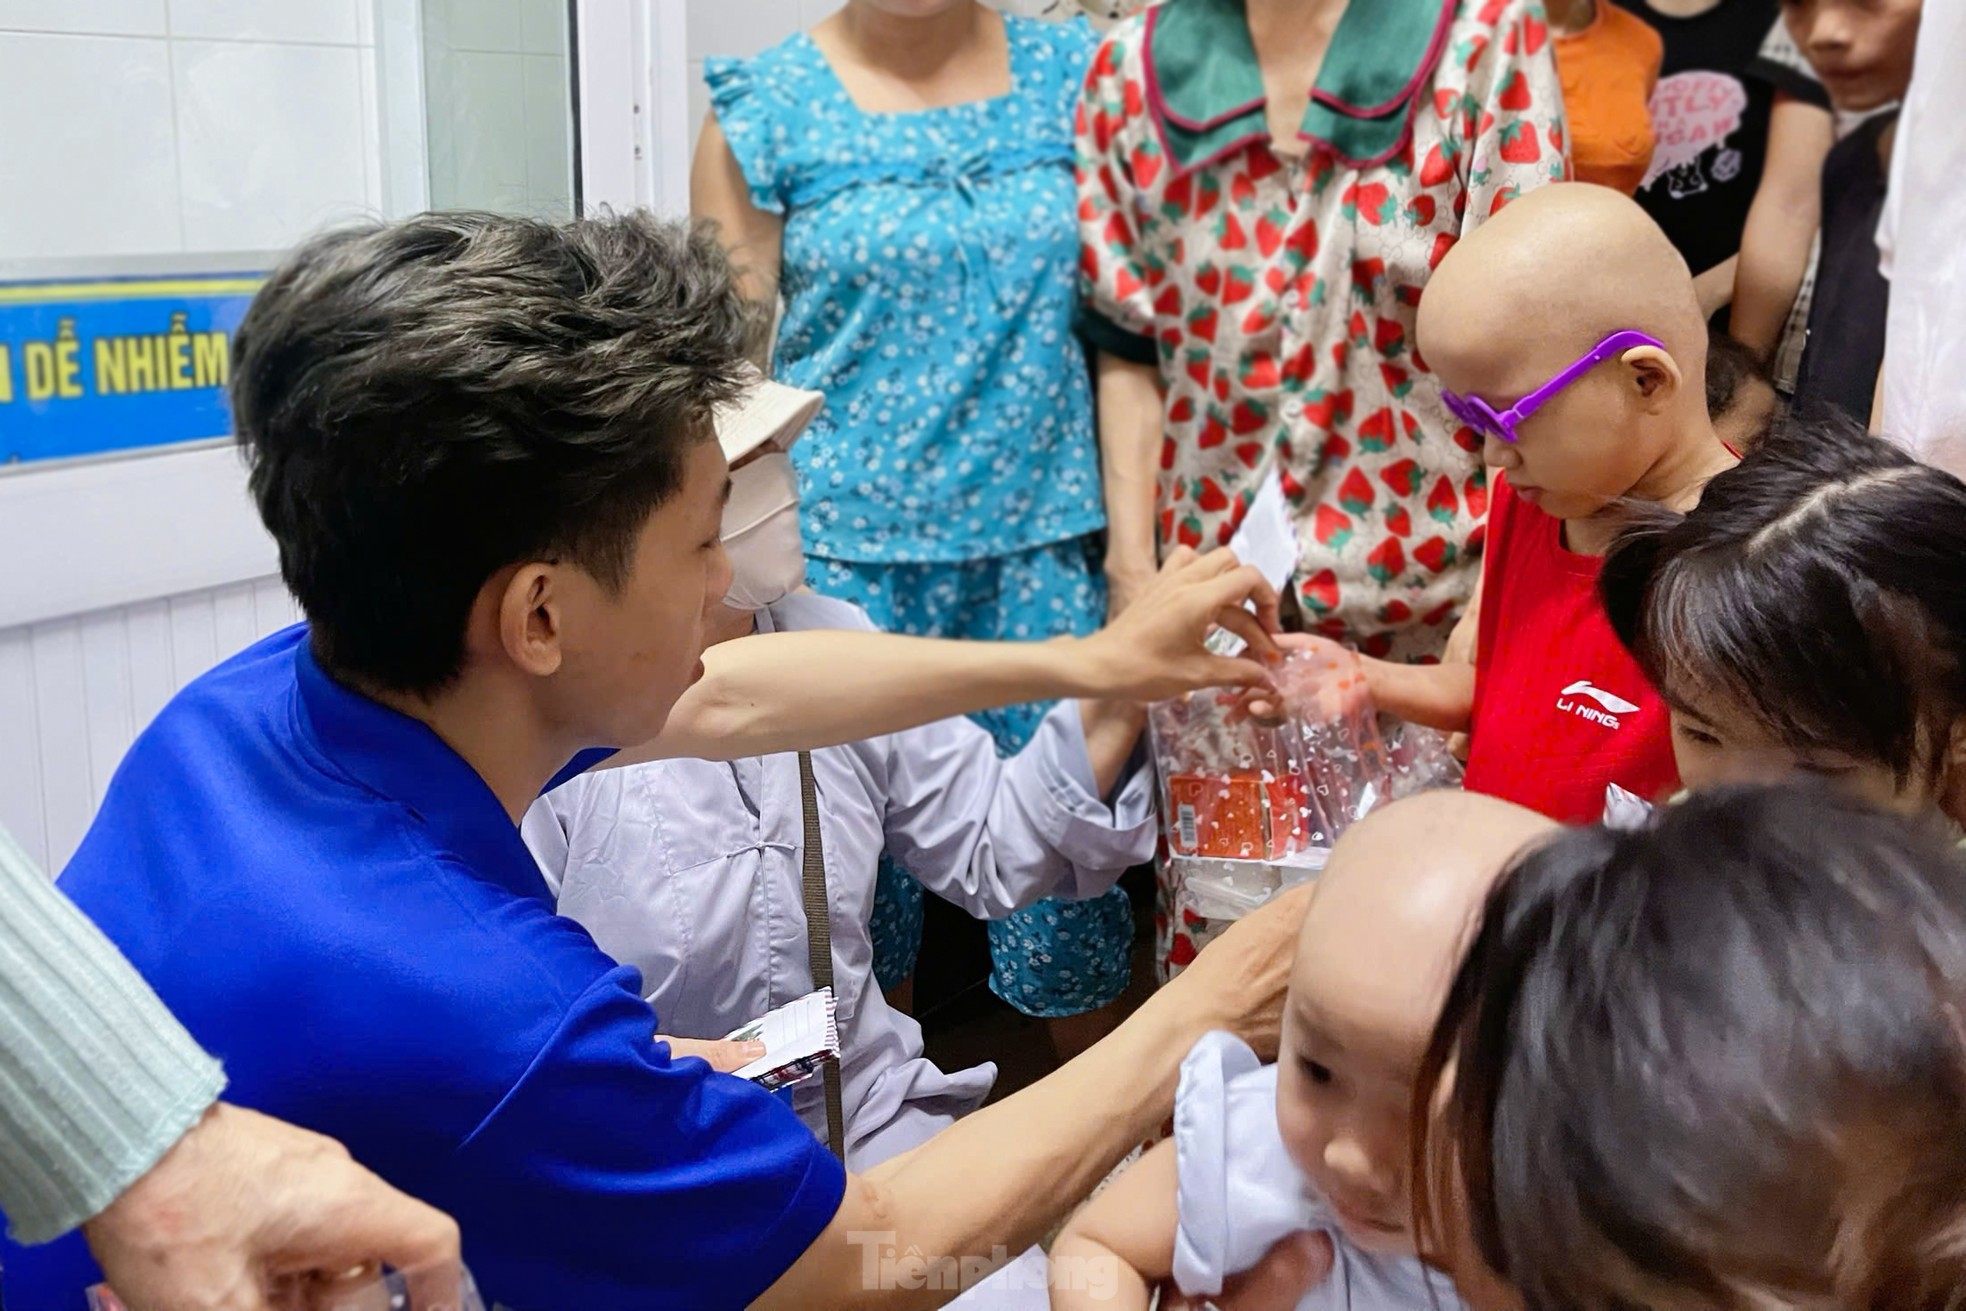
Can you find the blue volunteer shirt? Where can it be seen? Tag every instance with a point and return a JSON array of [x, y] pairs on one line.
[[336, 905]]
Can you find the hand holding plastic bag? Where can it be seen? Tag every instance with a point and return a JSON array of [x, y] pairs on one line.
[[244, 1206], [1318, 681], [365, 1288]]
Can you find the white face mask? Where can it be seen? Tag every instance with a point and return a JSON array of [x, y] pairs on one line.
[[761, 533]]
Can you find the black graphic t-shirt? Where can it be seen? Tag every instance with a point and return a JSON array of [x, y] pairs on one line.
[[1846, 318], [1710, 112]]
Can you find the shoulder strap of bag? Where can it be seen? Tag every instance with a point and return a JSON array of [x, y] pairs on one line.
[[819, 939]]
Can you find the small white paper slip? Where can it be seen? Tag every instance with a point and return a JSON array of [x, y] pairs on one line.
[[799, 1038], [1267, 539]]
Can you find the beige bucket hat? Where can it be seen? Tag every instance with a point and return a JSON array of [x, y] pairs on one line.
[[766, 412]]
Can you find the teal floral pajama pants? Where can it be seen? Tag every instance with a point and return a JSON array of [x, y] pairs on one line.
[[1058, 957]]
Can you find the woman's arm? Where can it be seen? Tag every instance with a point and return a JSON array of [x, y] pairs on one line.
[[718, 192], [1112, 733], [1782, 222], [997, 1180], [1130, 427], [1715, 288]]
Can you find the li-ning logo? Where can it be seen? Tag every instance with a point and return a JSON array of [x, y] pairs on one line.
[[1572, 700]]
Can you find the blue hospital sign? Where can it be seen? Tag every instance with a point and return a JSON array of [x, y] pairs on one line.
[[117, 363]]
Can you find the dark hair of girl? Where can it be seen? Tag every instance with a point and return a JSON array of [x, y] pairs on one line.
[[1714, 1063], [1820, 585], [1731, 365]]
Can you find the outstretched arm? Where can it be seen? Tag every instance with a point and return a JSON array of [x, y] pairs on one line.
[[798, 691], [998, 1179]]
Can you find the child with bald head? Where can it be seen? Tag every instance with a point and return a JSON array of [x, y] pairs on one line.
[[1321, 1140], [1566, 333]]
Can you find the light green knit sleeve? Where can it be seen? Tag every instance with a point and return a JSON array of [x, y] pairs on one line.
[[97, 1080]]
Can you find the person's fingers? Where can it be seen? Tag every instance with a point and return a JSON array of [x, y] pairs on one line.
[[1245, 625], [1178, 559], [374, 1224], [1286, 1272], [360, 1225], [1236, 583], [1235, 671], [1209, 564], [1266, 710], [361, 1288], [367, 1287], [1269, 606], [724, 1056], [1245, 587], [438, 1287]]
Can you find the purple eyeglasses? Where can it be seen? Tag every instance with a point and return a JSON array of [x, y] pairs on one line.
[[1484, 418]]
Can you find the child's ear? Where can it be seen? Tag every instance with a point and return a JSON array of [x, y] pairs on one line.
[[1655, 374]]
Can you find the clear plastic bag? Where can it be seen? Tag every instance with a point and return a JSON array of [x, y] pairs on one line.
[[1236, 788], [1250, 807], [1421, 759]]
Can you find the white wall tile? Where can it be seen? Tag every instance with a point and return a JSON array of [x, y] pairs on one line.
[[483, 25], [327, 21], [544, 25], [740, 27], [274, 606], [21, 812], [153, 675], [439, 144], [234, 621], [371, 132], [61, 706], [89, 166], [110, 720], [74, 693], [105, 17], [271, 139], [549, 147], [365, 22], [482, 97]]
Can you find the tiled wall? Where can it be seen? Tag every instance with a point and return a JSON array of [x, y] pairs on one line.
[[74, 693], [234, 124], [500, 120]]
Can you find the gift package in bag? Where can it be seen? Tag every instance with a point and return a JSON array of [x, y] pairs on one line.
[[1251, 805], [1238, 787]]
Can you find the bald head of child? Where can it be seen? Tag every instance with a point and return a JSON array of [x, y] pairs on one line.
[[1532, 291], [1381, 940]]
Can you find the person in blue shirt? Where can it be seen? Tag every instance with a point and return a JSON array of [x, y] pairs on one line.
[[483, 446]]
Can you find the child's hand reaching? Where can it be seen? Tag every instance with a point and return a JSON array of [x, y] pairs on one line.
[[1121, 1245], [1318, 680], [1276, 1283]]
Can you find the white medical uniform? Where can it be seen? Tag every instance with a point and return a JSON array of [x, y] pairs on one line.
[[1240, 1194], [1919, 241], [691, 871]]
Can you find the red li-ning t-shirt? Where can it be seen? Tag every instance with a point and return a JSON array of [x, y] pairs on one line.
[[1560, 707]]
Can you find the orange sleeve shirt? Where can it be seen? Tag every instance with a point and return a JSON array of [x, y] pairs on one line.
[[1608, 71]]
